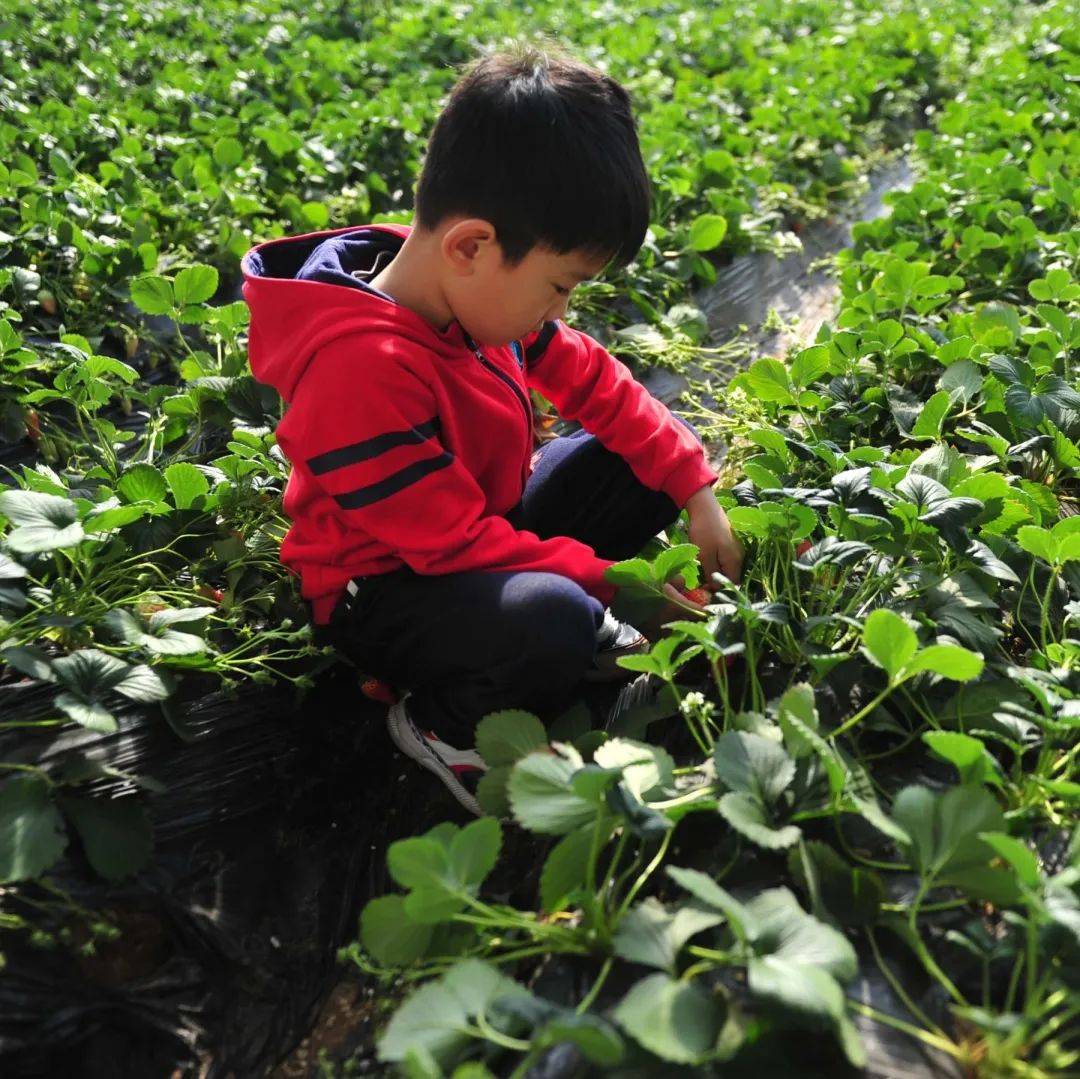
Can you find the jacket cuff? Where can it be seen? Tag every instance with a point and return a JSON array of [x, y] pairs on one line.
[[689, 478], [595, 584]]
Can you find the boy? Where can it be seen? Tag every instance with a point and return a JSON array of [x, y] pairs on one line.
[[436, 548]]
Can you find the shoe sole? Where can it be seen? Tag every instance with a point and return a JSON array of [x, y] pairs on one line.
[[404, 735]]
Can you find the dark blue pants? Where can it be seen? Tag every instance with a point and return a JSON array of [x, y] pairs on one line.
[[480, 641]]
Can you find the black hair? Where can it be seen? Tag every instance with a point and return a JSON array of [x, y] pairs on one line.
[[544, 147]]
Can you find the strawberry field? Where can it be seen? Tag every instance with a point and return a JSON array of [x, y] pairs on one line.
[[843, 840]]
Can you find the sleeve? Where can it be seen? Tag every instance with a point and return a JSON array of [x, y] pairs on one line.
[[587, 384], [367, 428]]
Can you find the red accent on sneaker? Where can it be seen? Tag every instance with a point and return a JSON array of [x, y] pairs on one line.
[[464, 769]]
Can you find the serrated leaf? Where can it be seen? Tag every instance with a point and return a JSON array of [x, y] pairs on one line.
[[889, 641], [115, 833], [678, 1021], [44, 522], [506, 736], [753, 764], [565, 868], [747, 816], [32, 835], [948, 660], [652, 935], [542, 797], [390, 935]]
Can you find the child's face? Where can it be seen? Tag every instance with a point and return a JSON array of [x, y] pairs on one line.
[[498, 303]]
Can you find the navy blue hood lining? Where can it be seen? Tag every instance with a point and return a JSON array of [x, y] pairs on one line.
[[335, 260]]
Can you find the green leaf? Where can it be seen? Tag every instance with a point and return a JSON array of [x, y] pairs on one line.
[[969, 756], [542, 797], [784, 930], [646, 770], [195, 284], [747, 816], [438, 1017], [507, 736], [809, 365], [948, 660], [565, 868], [652, 935], [853, 896], [755, 765], [186, 482], [315, 214], [677, 1021], [420, 862], [32, 836], [768, 379], [1036, 541], [491, 791], [810, 992], [30, 660], [44, 522], [475, 850], [963, 378], [798, 704], [1017, 854], [707, 891], [228, 152], [889, 641], [142, 483], [152, 294], [115, 833], [390, 935], [598, 1041], [943, 829], [707, 232], [932, 416]]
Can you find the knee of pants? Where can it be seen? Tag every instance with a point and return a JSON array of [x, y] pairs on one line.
[[553, 618]]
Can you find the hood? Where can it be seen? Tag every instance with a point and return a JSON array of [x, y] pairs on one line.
[[305, 291]]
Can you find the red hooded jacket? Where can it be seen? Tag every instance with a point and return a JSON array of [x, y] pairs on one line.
[[406, 445]]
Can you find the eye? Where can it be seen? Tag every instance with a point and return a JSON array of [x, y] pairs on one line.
[[562, 291]]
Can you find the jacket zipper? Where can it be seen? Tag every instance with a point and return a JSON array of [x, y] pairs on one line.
[[516, 390]]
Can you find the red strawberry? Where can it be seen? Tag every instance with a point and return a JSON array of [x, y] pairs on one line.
[[698, 595], [375, 690], [207, 592]]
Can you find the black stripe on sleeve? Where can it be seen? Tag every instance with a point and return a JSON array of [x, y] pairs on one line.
[[371, 447], [363, 496], [537, 348]]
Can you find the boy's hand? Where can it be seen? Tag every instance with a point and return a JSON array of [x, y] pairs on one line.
[[711, 533]]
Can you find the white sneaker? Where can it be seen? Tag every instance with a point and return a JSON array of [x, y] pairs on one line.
[[614, 639], [459, 769]]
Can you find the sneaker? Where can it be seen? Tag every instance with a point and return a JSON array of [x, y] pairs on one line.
[[614, 639], [459, 769]]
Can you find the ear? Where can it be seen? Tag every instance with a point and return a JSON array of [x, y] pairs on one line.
[[469, 244]]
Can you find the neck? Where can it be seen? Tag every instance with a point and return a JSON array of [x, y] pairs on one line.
[[408, 278]]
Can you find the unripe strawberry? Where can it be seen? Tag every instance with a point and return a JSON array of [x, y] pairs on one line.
[[33, 426], [131, 347]]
